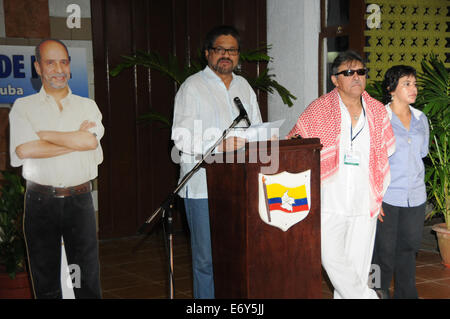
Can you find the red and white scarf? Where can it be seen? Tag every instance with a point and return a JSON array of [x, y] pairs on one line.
[[322, 119]]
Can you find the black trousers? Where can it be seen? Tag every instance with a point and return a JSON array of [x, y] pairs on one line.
[[46, 220], [397, 241]]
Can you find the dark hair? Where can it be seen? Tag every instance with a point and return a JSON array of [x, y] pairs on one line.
[[217, 32], [391, 78], [37, 50], [343, 57]]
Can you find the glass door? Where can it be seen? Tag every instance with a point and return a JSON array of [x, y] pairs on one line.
[[342, 28]]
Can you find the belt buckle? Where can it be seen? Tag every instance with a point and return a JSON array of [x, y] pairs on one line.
[[55, 194]]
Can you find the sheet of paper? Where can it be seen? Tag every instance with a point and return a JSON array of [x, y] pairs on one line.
[[258, 132]]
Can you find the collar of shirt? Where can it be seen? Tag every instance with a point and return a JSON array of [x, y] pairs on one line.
[[45, 97], [414, 111], [348, 121]]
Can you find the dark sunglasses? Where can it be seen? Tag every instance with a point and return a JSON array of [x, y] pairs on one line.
[[351, 72]]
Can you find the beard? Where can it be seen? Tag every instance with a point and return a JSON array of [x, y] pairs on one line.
[[55, 85], [223, 70]]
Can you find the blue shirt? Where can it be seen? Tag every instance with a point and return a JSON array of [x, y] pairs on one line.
[[407, 187]]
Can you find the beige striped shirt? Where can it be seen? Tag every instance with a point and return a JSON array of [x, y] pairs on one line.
[[39, 112]]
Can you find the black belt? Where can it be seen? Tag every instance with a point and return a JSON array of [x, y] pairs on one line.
[[60, 191]]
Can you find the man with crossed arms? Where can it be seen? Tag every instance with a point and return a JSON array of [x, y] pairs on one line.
[[55, 137]]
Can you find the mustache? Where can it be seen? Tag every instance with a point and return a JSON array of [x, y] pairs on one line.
[[60, 74], [224, 59]]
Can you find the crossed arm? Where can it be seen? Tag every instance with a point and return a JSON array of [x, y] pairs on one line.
[[54, 143]]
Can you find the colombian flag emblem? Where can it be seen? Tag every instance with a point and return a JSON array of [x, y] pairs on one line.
[[288, 200], [284, 198]]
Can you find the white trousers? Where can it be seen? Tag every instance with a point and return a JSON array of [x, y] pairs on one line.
[[347, 247]]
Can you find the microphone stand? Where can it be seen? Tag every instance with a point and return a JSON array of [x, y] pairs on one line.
[[167, 205]]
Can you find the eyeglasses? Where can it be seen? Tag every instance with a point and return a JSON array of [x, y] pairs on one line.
[[351, 72], [221, 51]]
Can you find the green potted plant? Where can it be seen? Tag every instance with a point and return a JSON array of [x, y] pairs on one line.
[[170, 68], [14, 280], [434, 100], [375, 90]]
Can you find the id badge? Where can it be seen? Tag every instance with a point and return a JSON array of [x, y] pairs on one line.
[[351, 158]]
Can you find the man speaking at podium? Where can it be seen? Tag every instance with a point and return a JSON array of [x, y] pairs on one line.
[[204, 103]]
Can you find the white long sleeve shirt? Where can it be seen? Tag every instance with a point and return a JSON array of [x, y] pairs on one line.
[[204, 108], [40, 112]]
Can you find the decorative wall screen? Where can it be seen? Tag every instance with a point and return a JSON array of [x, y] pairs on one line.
[[405, 32]]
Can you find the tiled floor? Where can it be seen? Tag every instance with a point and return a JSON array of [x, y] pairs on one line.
[[136, 268]]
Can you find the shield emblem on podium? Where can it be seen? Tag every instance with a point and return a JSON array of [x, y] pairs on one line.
[[284, 198]]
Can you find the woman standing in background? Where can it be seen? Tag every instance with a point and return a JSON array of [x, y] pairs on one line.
[[400, 224]]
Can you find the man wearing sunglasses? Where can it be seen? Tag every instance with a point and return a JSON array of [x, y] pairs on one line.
[[357, 139]]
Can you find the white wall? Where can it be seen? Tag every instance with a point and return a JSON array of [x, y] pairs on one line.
[[293, 28]]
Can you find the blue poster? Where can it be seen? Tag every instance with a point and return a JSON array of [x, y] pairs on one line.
[[18, 78]]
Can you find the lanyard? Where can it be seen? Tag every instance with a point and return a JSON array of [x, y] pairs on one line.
[[351, 129]]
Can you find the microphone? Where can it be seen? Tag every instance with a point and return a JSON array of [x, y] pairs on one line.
[[242, 112]]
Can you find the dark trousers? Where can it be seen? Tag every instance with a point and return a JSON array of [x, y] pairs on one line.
[[46, 220], [397, 241]]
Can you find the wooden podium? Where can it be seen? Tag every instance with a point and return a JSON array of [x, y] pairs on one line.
[[251, 258]]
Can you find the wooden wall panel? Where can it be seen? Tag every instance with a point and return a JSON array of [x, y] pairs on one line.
[[137, 172], [26, 19], [122, 120], [4, 138]]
